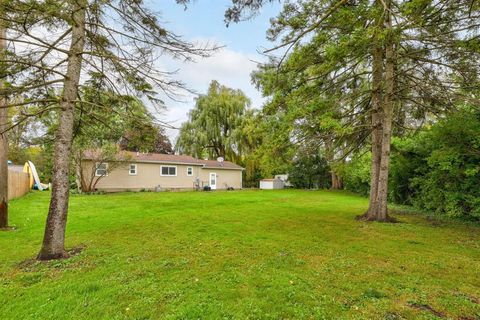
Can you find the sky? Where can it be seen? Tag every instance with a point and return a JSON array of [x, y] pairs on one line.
[[202, 21]]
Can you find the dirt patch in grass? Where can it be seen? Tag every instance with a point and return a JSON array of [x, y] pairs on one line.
[[426, 307], [76, 250], [32, 263], [389, 219]]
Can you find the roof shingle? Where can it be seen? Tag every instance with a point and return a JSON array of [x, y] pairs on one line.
[[170, 158]]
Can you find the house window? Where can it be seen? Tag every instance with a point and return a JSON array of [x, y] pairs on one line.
[[168, 171], [189, 171], [132, 170], [101, 169]]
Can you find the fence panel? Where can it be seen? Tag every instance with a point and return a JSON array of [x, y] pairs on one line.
[[18, 184]]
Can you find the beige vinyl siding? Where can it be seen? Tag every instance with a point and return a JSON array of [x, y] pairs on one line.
[[225, 177], [149, 176]]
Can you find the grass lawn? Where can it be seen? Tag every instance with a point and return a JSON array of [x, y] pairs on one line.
[[284, 254]]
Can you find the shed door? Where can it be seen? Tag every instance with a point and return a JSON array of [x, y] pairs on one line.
[[213, 180]]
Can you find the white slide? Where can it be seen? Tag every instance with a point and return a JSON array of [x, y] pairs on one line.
[[35, 176]]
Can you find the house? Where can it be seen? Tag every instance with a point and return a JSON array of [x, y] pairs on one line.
[[153, 171], [271, 184]]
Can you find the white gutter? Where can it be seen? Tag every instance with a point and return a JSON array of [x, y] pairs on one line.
[[173, 162]]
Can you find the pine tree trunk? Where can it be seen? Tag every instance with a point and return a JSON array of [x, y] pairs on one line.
[[388, 104], [54, 238], [3, 140], [336, 180], [337, 183], [377, 119]]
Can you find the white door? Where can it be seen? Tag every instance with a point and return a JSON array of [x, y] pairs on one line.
[[213, 180]]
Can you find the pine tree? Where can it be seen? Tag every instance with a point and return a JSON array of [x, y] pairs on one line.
[[410, 55]]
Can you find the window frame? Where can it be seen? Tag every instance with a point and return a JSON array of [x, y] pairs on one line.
[[97, 165], [168, 175], [191, 171], [130, 169]]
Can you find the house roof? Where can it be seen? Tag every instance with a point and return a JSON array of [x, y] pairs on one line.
[[168, 158]]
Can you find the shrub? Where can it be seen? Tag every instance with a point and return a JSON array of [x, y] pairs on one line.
[[356, 174], [439, 169]]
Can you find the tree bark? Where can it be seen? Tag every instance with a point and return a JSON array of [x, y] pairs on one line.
[[377, 119], [337, 182], [3, 137], [54, 238], [78, 174], [388, 104]]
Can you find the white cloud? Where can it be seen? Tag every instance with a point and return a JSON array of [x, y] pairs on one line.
[[230, 68]]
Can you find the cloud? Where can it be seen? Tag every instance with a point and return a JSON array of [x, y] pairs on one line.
[[230, 68]]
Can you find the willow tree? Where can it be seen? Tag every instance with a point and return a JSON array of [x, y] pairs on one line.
[[115, 42], [214, 125]]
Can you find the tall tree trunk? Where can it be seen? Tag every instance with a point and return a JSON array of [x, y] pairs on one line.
[[3, 137], [388, 104], [337, 182], [377, 119], [54, 239]]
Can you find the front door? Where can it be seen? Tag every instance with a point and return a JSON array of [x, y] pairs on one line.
[[213, 180]]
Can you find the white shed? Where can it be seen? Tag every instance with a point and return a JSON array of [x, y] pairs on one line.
[[271, 184]]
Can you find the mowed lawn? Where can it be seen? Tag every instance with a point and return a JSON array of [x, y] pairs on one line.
[[285, 254]]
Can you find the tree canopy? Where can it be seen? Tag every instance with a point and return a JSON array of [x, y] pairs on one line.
[[354, 73], [214, 126]]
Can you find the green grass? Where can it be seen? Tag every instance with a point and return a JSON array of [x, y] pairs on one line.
[[237, 255]]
